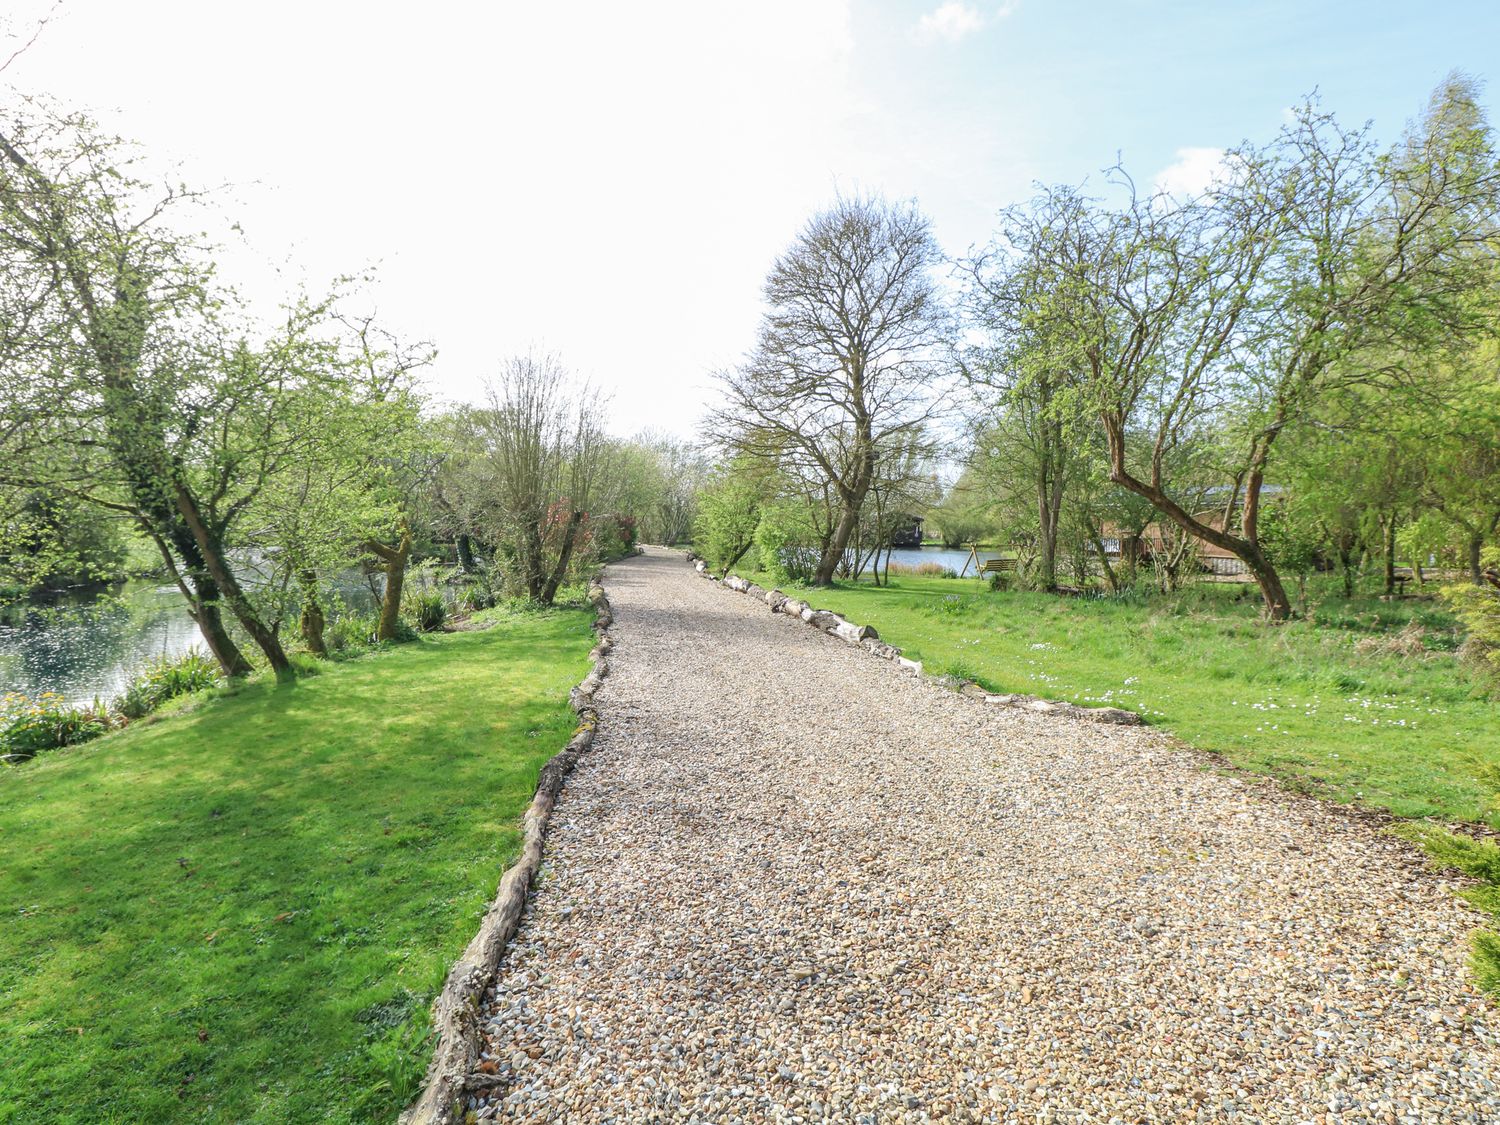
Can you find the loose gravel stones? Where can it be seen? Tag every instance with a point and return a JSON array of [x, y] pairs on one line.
[[791, 884]]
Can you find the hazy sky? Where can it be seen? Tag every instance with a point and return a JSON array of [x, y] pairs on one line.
[[612, 180]]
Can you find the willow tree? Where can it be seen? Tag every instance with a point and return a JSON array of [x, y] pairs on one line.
[[846, 359]]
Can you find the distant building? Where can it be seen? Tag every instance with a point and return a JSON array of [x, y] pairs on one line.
[[908, 532], [1142, 548]]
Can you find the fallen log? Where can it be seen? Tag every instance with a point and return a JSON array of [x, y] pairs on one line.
[[855, 634]]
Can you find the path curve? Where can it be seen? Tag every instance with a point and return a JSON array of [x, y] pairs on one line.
[[793, 883]]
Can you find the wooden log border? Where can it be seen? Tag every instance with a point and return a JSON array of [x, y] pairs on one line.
[[864, 636], [455, 1013]]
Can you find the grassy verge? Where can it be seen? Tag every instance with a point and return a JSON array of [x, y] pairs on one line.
[[242, 913], [1363, 701]]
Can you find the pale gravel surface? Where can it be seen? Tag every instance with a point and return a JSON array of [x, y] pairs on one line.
[[793, 883]]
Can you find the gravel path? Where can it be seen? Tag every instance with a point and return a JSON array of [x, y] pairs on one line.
[[793, 883]]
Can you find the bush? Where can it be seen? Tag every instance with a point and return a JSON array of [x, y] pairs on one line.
[[782, 541], [167, 679], [426, 610], [1478, 609], [473, 595], [614, 536], [350, 631], [46, 722]]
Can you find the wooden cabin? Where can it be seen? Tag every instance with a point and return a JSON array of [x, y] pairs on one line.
[[1139, 549]]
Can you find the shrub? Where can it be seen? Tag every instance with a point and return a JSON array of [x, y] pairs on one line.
[[350, 631], [164, 679], [473, 595], [426, 610], [29, 725], [614, 536], [1478, 609], [783, 542]]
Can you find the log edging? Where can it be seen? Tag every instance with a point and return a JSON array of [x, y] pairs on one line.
[[865, 636], [455, 1012]]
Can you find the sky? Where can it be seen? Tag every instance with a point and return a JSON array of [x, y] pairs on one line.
[[611, 181]]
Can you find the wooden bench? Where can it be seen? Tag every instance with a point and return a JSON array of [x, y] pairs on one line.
[[998, 566]]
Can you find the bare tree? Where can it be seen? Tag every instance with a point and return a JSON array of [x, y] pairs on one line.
[[547, 453], [846, 358]]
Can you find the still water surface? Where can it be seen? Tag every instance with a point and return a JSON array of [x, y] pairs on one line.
[[952, 559], [83, 644], [89, 643]]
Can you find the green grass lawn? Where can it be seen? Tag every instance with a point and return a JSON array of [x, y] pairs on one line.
[[1302, 702], [243, 912]]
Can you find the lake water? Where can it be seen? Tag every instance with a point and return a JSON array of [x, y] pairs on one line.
[[952, 559], [84, 644]]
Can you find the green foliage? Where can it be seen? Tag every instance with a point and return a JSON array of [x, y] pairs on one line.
[[165, 679], [260, 897], [30, 725], [785, 544], [729, 511], [1479, 859], [426, 610], [350, 632], [48, 538], [1478, 607]]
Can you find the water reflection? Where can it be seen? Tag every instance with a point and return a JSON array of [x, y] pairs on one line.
[[85, 644]]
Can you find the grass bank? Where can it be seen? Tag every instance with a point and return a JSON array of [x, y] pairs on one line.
[[1362, 701], [242, 913]]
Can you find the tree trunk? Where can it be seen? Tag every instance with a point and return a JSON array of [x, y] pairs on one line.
[[466, 554], [1109, 572], [1390, 555], [210, 621], [838, 542], [1049, 512], [739, 554], [312, 621], [1246, 549], [395, 559], [197, 584], [534, 567], [1346, 565], [218, 566], [1278, 606], [565, 556], [1476, 546]]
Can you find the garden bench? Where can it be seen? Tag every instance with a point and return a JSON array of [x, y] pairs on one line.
[[998, 566]]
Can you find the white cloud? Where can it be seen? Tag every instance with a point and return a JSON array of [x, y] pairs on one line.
[[950, 22], [1194, 170]]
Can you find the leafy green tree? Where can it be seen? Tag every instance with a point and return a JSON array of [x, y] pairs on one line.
[[730, 510]]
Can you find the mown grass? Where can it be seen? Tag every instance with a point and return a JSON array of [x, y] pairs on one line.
[[243, 912], [1304, 702]]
